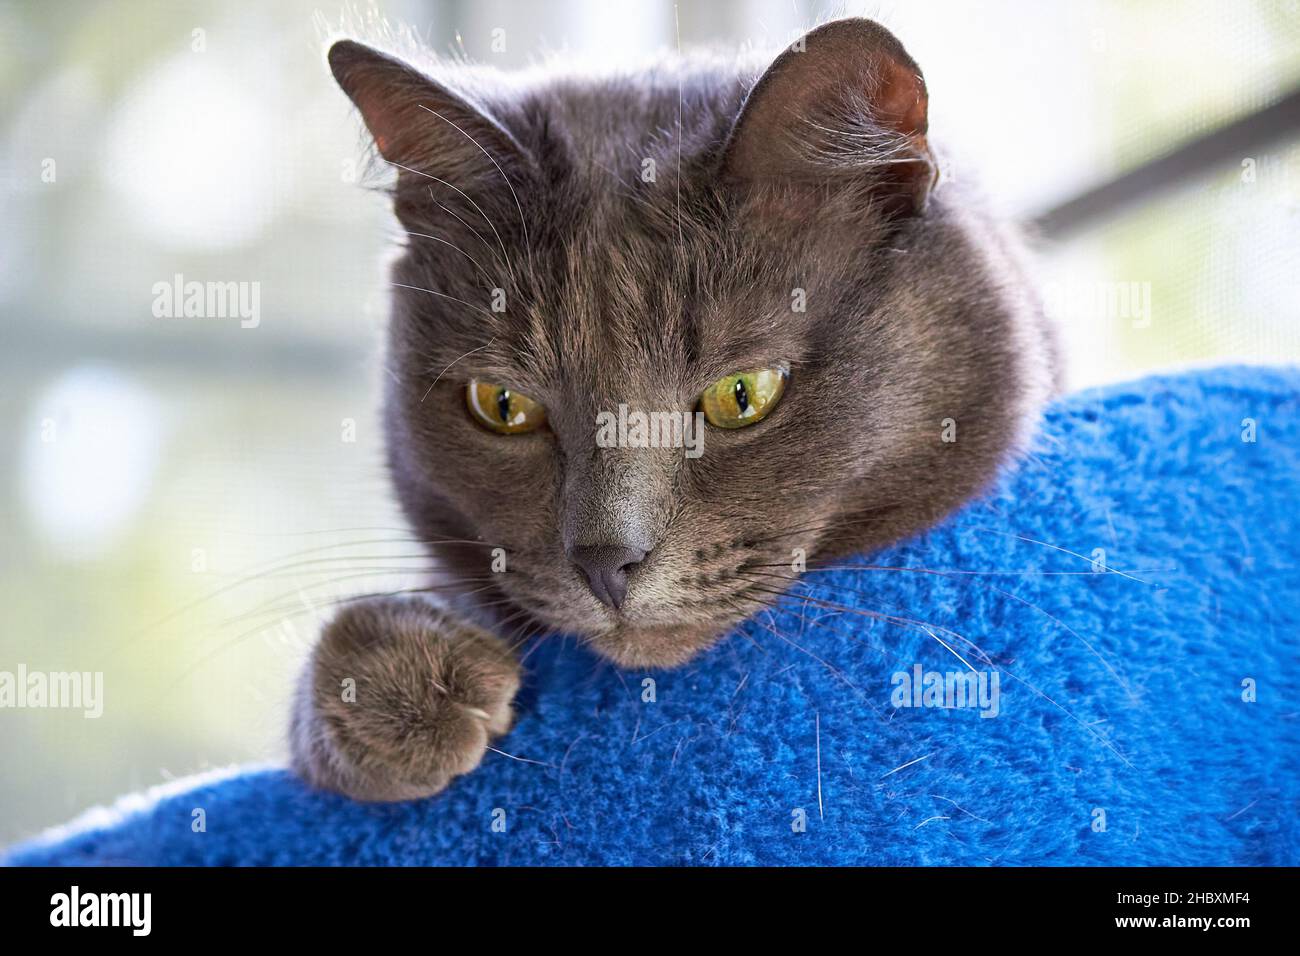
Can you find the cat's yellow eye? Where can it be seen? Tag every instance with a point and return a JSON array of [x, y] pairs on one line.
[[501, 409], [743, 398]]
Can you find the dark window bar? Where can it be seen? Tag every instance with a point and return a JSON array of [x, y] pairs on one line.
[[1231, 143]]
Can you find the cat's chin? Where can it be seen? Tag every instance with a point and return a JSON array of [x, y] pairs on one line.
[[654, 647]]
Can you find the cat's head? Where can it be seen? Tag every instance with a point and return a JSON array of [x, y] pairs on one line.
[[760, 247]]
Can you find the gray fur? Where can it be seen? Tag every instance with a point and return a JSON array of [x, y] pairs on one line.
[[624, 291]]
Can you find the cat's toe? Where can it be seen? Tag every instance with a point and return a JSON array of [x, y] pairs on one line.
[[399, 698]]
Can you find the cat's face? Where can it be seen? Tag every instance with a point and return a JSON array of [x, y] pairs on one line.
[[713, 527], [542, 262]]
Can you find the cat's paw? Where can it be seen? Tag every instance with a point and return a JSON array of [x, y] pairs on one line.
[[397, 699]]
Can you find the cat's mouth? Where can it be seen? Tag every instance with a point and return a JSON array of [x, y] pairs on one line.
[[667, 619], [656, 647], [637, 636], [672, 611], [640, 637]]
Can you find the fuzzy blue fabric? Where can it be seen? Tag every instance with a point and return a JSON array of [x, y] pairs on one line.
[[1133, 584]]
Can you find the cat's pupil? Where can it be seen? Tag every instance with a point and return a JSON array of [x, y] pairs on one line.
[[742, 396], [503, 404]]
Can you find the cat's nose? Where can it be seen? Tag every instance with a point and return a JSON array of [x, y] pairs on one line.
[[607, 567]]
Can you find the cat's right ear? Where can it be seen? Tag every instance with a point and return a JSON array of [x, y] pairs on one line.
[[417, 123]]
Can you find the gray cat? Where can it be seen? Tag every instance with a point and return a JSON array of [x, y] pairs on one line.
[[761, 257]]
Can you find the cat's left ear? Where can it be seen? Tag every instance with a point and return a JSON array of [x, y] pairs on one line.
[[845, 100]]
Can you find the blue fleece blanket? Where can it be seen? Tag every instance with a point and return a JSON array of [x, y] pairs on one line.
[[1127, 603]]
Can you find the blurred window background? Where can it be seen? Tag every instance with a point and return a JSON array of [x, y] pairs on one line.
[[185, 498]]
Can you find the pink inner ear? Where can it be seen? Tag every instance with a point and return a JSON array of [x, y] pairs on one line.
[[383, 144], [901, 100], [413, 118], [390, 119], [852, 72]]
